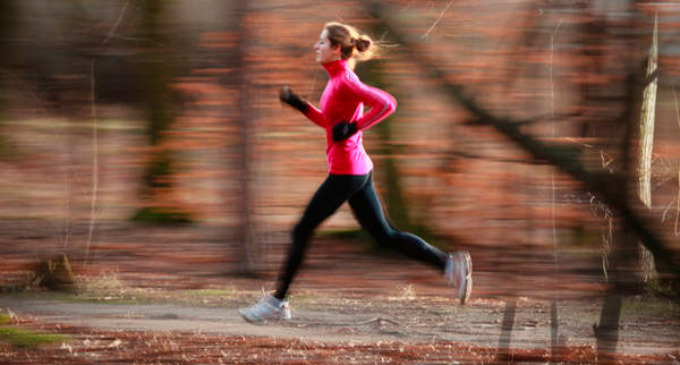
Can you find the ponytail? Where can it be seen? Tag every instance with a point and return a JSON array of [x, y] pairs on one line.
[[362, 43]]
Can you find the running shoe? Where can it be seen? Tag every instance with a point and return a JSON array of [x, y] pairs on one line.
[[268, 309]]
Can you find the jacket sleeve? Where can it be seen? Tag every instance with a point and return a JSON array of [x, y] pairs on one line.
[[381, 103], [316, 115]]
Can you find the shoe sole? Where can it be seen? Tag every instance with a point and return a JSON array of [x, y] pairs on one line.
[[254, 319]]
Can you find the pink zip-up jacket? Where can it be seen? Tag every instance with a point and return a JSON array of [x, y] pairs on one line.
[[343, 100]]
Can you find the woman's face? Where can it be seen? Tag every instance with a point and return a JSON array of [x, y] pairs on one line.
[[325, 52]]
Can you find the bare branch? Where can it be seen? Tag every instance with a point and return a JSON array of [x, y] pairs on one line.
[[436, 22], [112, 32]]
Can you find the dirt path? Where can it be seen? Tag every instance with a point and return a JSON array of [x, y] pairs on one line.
[[369, 321]]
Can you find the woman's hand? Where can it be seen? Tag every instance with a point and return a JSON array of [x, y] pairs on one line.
[[289, 97], [343, 130]]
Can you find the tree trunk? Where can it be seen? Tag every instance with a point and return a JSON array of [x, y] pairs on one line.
[[504, 353], [159, 202], [8, 19], [607, 331], [646, 146], [396, 203], [623, 265], [394, 197], [245, 237]]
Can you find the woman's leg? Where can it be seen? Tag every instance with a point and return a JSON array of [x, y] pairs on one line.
[[327, 199], [369, 213]]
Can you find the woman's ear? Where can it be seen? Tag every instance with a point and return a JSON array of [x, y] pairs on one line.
[[334, 48]]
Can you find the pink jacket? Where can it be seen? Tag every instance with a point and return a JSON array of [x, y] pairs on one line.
[[343, 100]]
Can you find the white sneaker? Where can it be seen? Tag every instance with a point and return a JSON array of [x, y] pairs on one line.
[[268, 309], [459, 272]]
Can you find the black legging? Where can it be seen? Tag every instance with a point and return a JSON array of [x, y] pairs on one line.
[[359, 191]]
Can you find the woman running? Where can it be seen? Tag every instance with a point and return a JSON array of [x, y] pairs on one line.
[[350, 177]]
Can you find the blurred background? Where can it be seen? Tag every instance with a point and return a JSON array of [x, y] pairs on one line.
[[151, 127]]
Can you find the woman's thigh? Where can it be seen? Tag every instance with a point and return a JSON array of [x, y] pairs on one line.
[[334, 191], [369, 212]]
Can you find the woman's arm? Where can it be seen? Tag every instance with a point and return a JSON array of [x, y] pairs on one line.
[[381, 104], [315, 115], [310, 111]]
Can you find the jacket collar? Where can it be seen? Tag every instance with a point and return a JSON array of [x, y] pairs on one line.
[[335, 67]]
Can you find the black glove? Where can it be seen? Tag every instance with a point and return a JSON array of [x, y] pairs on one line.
[[343, 130], [292, 99]]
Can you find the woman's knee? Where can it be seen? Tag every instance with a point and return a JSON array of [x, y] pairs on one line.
[[384, 236]]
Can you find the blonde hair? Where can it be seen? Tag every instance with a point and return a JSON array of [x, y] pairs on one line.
[[350, 39]]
